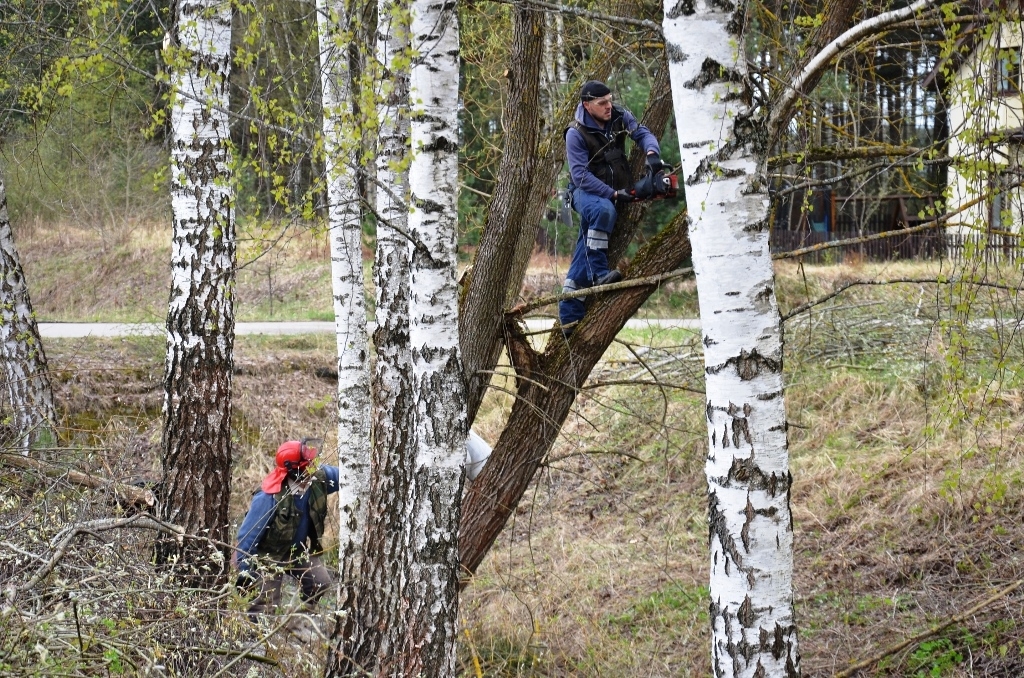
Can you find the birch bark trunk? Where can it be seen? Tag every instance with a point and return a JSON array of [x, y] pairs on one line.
[[25, 369], [750, 524], [196, 454], [440, 389], [341, 145], [370, 635]]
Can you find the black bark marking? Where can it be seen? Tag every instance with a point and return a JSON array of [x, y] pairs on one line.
[[441, 144], [712, 71], [681, 8], [717, 526], [709, 168], [429, 206], [746, 613], [749, 365], [675, 54], [746, 472]]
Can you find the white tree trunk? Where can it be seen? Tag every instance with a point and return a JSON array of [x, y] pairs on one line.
[[440, 389], [370, 638], [25, 369], [341, 145], [750, 525], [200, 318]]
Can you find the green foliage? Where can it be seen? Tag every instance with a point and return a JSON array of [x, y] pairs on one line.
[[667, 608], [934, 658]]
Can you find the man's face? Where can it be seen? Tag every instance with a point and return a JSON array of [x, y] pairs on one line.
[[600, 109]]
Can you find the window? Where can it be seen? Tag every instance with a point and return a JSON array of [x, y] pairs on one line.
[[1008, 72]]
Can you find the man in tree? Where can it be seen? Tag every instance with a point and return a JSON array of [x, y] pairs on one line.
[[599, 178], [282, 530]]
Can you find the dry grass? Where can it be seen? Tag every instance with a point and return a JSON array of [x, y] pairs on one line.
[[904, 515], [75, 274]]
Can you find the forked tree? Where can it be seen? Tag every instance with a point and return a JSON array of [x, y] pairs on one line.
[[371, 631]]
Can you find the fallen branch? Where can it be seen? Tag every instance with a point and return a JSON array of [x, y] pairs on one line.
[[935, 630], [136, 496], [934, 223]]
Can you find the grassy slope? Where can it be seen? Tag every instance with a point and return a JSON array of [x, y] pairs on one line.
[[902, 518]]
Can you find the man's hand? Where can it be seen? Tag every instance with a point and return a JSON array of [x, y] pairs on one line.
[[656, 165], [623, 197]]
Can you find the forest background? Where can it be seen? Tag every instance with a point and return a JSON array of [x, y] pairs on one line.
[[905, 420]]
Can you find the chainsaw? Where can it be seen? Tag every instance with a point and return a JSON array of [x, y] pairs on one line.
[[657, 184]]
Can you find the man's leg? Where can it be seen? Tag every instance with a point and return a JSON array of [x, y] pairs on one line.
[[270, 593], [598, 216], [590, 258], [314, 581]]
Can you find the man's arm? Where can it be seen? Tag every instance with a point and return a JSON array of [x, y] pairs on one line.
[[332, 479], [642, 136], [253, 527], [579, 170]]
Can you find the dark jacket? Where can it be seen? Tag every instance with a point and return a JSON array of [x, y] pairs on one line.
[[582, 172], [277, 524]]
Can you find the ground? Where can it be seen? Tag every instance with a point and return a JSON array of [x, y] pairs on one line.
[[906, 454]]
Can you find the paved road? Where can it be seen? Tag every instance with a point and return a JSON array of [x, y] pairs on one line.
[[72, 330]]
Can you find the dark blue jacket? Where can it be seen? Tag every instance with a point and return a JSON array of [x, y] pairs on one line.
[[579, 156], [261, 510]]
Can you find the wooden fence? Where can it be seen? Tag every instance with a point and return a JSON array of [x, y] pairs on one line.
[[990, 247]]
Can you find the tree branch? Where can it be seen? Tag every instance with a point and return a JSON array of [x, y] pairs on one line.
[[935, 630], [934, 223], [135, 496], [598, 289], [795, 88], [138, 520], [893, 281]]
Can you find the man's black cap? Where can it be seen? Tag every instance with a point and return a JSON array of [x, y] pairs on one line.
[[593, 89]]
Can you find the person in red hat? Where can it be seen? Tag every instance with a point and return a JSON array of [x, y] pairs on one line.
[[281, 532]]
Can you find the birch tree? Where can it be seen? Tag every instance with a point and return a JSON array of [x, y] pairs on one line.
[[439, 387], [25, 369], [370, 633], [723, 144], [196, 445], [750, 525], [341, 145]]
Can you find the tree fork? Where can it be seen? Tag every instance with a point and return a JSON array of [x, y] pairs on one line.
[[543, 402]]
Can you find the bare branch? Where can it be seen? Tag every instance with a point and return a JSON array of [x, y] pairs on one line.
[[935, 630], [795, 88], [139, 520], [135, 496], [625, 284]]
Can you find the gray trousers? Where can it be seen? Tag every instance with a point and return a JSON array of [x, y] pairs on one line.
[[313, 577]]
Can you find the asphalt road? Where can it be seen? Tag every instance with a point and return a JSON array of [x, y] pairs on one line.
[[73, 330]]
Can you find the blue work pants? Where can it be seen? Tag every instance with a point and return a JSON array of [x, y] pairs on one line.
[[590, 258]]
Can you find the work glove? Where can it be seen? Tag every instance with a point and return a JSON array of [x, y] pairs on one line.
[[656, 171], [656, 165], [622, 197]]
